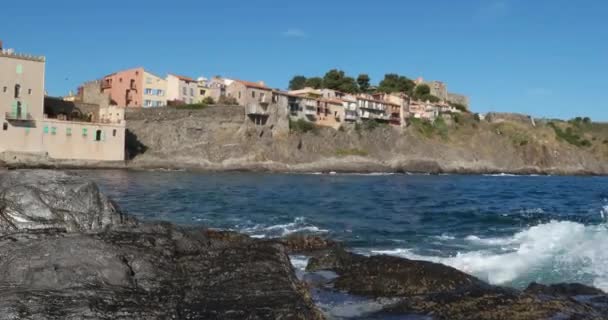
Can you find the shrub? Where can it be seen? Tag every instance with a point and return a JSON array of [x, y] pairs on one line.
[[228, 101], [208, 100], [351, 152], [302, 126], [570, 136]]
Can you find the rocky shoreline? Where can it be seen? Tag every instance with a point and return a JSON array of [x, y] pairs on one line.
[[343, 166], [69, 252]]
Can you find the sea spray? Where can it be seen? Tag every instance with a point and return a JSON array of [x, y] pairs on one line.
[[553, 252]]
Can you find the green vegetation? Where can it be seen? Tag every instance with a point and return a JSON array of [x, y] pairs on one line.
[[423, 93], [351, 152], [315, 82], [395, 83], [363, 81], [228, 101], [337, 80], [369, 125], [459, 106], [208, 100], [570, 135], [429, 129], [297, 83], [302, 126]]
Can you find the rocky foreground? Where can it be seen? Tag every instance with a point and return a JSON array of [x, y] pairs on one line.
[[68, 252]]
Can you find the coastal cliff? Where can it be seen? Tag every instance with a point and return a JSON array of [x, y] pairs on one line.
[[220, 138]]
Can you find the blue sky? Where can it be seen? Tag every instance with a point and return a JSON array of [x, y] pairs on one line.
[[545, 57]]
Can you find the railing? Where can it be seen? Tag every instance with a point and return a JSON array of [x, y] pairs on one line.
[[18, 116]]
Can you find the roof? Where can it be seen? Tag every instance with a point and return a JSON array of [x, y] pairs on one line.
[[253, 85], [187, 79]]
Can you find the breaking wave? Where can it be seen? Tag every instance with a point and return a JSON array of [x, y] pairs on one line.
[[558, 251], [299, 225]]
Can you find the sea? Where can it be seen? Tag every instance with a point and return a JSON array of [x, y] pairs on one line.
[[507, 230]]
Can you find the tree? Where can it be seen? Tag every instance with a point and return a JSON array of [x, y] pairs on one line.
[[349, 85], [393, 82], [333, 79], [423, 93], [208, 100], [297, 83], [315, 82], [363, 81], [422, 90], [337, 80]]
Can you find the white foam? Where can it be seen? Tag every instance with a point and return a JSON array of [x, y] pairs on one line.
[[299, 225], [299, 262], [567, 250], [444, 237]]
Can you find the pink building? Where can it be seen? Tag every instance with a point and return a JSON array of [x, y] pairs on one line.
[[135, 88]]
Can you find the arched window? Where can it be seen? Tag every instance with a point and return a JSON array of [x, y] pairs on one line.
[[17, 91]]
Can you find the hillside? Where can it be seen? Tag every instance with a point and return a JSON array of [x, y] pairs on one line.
[[219, 138]]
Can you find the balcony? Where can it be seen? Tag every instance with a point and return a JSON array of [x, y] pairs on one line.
[[254, 109], [13, 116]]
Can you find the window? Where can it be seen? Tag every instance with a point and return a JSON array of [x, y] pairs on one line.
[[85, 132], [202, 92], [4, 89], [29, 91], [147, 103], [160, 93], [191, 92], [148, 91], [53, 130], [17, 90], [253, 94], [239, 94], [185, 91], [114, 133], [98, 135], [120, 80], [68, 132], [46, 129], [5, 126]]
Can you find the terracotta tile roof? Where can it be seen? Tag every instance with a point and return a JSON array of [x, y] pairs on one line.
[[253, 85], [187, 79]]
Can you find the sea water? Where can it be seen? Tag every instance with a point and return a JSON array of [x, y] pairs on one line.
[[507, 230]]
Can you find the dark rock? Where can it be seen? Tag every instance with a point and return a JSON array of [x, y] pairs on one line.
[[386, 276], [78, 257], [563, 289], [299, 243], [54, 200], [494, 304]]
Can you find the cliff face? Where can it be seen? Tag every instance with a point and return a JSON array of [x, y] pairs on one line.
[[221, 138]]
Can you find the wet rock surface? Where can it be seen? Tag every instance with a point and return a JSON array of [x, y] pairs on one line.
[[86, 260], [442, 292], [54, 200]]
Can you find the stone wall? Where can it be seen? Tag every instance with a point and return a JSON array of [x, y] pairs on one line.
[[214, 113]]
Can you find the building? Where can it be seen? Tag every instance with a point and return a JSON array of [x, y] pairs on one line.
[[398, 104], [214, 88], [330, 113], [372, 109], [135, 88], [182, 89], [67, 134], [440, 90], [423, 110], [249, 93]]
